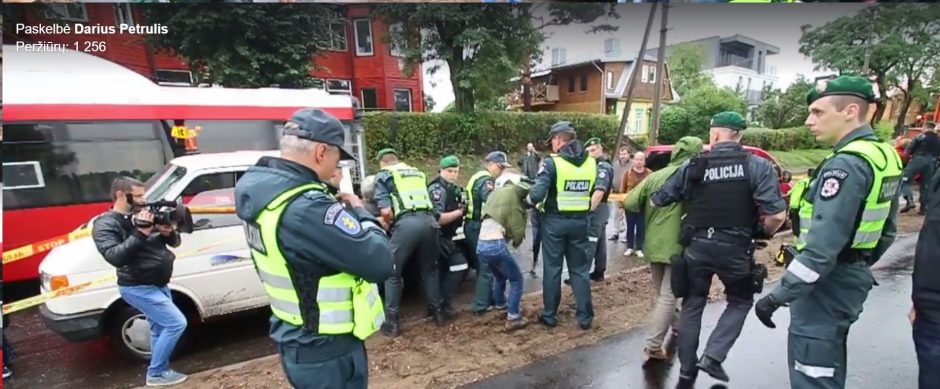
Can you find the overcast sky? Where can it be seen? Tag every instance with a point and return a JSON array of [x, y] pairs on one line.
[[776, 24]]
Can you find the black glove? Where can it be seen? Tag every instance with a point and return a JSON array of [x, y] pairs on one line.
[[764, 309]]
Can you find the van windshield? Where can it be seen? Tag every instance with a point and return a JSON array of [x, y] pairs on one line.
[[158, 185]]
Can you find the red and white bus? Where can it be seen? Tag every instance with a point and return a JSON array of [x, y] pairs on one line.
[[74, 121]]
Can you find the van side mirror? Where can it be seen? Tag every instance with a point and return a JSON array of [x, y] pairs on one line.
[[786, 176]]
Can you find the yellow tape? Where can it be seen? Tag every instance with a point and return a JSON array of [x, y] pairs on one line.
[[42, 298]]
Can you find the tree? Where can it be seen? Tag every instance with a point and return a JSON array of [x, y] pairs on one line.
[[918, 40], [886, 32], [560, 14], [239, 46], [782, 109], [686, 61], [484, 46], [694, 111]]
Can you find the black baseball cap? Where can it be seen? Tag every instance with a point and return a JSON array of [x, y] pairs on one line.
[[561, 127], [498, 157], [316, 125]]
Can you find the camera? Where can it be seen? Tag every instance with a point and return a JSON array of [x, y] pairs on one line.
[[167, 213]]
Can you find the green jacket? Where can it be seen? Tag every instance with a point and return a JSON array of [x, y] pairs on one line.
[[662, 224], [506, 205]]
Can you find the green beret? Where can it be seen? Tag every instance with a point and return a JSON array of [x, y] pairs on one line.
[[385, 152], [729, 119], [593, 141], [842, 86], [931, 124], [450, 161]]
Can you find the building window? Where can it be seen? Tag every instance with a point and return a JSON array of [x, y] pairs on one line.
[[403, 100], [584, 82], [571, 84], [558, 56], [363, 37], [612, 47], [393, 48], [610, 80], [339, 86], [638, 114], [649, 73], [70, 11], [338, 36], [123, 14], [369, 98]]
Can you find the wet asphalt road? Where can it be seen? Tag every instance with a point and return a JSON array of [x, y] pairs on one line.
[[881, 351], [45, 360]]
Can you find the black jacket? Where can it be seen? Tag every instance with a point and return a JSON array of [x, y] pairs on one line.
[[926, 288], [139, 259]]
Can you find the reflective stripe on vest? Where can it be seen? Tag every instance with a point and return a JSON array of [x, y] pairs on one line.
[[573, 184], [886, 167], [346, 304], [411, 186], [470, 199]]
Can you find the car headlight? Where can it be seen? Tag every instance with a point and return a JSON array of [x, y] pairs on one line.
[[51, 283]]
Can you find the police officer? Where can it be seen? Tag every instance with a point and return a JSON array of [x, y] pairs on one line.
[[726, 191], [319, 257], [600, 209], [449, 205], [924, 151], [401, 193], [847, 220], [565, 184], [479, 187]]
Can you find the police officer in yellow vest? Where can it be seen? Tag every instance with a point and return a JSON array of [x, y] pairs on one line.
[[319, 257], [565, 184], [401, 192], [847, 220], [479, 187]]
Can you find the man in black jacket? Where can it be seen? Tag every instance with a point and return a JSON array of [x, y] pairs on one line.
[[144, 266], [925, 315]]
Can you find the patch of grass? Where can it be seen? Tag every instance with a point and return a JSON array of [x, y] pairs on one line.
[[800, 159]]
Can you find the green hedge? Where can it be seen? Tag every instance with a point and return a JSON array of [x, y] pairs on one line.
[[430, 135]]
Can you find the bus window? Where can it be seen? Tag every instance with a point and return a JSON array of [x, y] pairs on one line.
[[59, 163], [217, 136]]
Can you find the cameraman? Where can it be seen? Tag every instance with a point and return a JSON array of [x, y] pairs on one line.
[[129, 240]]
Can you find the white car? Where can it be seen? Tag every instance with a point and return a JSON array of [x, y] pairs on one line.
[[213, 274]]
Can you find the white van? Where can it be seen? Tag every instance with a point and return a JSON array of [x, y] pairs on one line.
[[213, 275]]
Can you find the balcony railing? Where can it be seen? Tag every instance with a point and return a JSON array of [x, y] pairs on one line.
[[542, 93]]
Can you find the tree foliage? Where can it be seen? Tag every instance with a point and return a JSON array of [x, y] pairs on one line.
[[483, 45], [782, 109], [238, 46], [694, 111], [901, 40], [686, 61]]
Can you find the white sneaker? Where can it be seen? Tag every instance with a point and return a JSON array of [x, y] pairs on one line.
[[639, 253], [628, 252]]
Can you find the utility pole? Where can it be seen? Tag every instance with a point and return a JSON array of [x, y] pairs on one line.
[[660, 76], [631, 84]]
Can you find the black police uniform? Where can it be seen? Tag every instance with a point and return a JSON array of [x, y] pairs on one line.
[[448, 197], [724, 190]]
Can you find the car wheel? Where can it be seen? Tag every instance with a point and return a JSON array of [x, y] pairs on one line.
[[129, 332]]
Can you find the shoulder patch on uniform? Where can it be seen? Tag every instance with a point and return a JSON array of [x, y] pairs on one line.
[[602, 174], [331, 213], [830, 187], [347, 223], [436, 194], [835, 173]]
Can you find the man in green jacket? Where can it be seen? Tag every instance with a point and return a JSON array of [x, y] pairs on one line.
[[504, 220], [662, 236]]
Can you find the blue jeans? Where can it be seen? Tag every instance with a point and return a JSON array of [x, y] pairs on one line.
[[504, 267], [927, 345], [635, 229], [167, 322]]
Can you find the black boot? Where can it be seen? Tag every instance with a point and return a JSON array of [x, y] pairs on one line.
[[713, 368], [439, 317], [909, 205], [687, 379], [448, 311], [391, 328]]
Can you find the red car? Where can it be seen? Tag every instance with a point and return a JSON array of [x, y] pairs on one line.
[[658, 156]]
